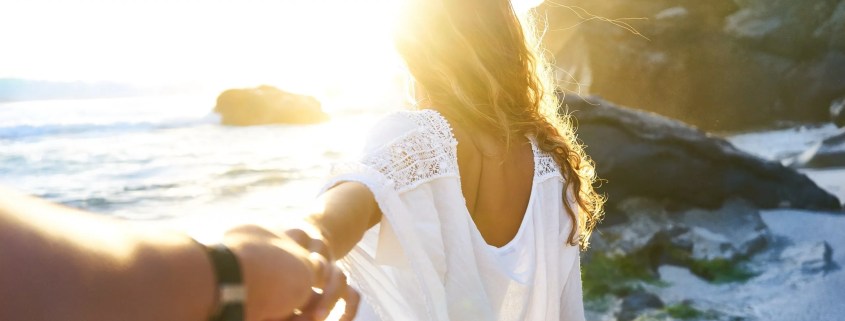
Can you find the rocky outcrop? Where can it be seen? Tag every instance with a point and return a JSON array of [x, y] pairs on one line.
[[729, 233], [267, 105], [642, 154], [624, 259], [680, 199], [719, 64]]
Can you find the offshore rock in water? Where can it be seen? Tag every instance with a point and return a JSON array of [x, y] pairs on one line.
[[642, 154], [266, 105]]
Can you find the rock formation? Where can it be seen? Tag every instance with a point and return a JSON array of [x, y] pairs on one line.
[[720, 64], [679, 198], [267, 105], [642, 154]]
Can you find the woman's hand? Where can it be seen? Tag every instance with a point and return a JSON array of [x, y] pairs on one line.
[[279, 272], [335, 286]]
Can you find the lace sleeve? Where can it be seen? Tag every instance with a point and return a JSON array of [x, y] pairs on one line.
[[420, 155], [403, 150]]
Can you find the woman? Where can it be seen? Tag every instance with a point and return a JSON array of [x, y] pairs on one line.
[[474, 206]]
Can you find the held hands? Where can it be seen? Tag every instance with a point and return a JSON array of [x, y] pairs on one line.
[[280, 270]]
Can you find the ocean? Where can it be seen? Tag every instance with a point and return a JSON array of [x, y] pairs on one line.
[[166, 159]]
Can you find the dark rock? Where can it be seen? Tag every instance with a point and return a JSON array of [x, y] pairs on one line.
[[830, 152], [636, 303], [267, 105], [837, 112], [642, 154], [720, 64]]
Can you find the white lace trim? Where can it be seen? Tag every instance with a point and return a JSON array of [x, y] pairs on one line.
[[422, 155], [430, 152], [544, 164]]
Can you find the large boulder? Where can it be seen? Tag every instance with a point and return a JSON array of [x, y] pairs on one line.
[[267, 105], [642, 154], [719, 64]]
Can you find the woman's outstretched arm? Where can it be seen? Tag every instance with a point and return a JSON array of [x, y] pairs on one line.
[[58, 263], [346, 211]]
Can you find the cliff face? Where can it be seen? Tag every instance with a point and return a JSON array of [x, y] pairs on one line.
[[719, 65]]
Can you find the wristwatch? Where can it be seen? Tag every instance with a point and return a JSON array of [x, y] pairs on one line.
[[231, 293]]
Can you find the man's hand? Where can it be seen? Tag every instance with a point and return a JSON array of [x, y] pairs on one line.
[[280, 272]]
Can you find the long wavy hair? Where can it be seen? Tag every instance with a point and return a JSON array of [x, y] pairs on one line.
[[485, 63]]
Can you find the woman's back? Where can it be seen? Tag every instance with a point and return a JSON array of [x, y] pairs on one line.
[[496, 182]]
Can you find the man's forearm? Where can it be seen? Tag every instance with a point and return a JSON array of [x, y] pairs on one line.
[[60, 264]]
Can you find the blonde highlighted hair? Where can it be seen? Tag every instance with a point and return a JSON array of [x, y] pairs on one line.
[[485, 63]]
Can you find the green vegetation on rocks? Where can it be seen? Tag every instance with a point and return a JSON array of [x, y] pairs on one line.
[[617, 275], [715, 270], [683, 311], [720, 270]]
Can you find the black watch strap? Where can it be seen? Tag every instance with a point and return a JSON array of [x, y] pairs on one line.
[[231, 292]]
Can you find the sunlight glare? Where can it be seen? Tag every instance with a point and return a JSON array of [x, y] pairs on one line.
[[337, 311], [318, 47]]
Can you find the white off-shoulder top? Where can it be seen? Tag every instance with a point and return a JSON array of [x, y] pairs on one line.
[[427, 261]]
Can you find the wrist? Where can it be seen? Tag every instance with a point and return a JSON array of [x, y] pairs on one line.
[[317, 231], [230, 293], [262, 256]]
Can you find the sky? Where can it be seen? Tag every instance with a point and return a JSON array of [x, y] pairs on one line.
[[302, 45], [299, 43]]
